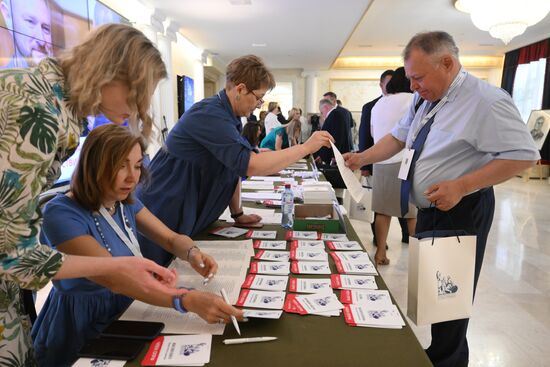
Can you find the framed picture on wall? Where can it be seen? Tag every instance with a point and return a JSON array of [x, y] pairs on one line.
[[538, 126]]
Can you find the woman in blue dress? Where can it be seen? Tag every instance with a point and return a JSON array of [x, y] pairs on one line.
[[283, 137], [196, 174], [99, 217]]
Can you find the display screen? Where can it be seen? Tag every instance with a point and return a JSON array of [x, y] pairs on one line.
[[33, 29]]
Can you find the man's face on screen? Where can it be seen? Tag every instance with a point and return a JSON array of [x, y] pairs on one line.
[[32, 29]]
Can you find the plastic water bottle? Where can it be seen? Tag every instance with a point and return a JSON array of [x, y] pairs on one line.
[[287, 207]]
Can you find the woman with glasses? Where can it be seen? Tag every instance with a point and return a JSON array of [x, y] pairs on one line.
[[197, 174]]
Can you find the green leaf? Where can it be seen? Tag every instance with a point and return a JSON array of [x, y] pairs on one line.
[[42, 127]]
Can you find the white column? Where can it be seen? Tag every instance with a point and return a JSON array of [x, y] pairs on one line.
[[311, 103], [166, 87]]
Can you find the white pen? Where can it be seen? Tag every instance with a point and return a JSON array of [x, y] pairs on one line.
[[250, 340], [233, 319], [207, 279]]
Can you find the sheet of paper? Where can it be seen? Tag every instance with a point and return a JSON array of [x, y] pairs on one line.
[[375, 298], [344, 245], [365, 267], [310, 267], [302, 235], [269, 255], [384, 317], [309, 285], [352, 183], [270, 245], [179, 350], [262, 314], [264, 213], [273, 268], [229, 232], [340, 281], [308, 255], [265, 282], [257, 185], [351, 255], [308, 245], [334, 237], [98, 362], [254, 196], [273, 179], [269, 235], [261, 299], [319, 302]]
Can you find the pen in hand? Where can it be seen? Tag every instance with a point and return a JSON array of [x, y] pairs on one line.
[[233, 318]]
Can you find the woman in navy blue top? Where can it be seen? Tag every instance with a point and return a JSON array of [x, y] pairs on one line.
[[196, 174], [99, 217]]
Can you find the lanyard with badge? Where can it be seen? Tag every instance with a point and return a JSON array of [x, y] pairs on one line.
[[408, 153], [132, 242]]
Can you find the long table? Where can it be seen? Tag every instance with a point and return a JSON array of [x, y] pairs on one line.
[[313, 340]]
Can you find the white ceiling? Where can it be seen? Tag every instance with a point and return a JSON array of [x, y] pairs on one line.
[[311, 34]]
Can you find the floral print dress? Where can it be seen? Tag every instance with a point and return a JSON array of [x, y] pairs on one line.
[[38, 131]]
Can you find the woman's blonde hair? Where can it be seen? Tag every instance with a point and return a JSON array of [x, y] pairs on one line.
[[114, 52], [294, 112], [293, 131], [103, 154]]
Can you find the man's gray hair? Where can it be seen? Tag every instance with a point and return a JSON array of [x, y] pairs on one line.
[[325, 101], [432, 43]]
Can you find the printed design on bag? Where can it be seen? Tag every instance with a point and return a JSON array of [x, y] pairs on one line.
[[445, 285], [188, 349], [99, 362], [271, 299], [323, 301], [378, 314]]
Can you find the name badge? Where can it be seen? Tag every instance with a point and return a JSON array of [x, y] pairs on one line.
[[406, 163]]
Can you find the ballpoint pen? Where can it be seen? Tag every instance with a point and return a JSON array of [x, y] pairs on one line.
[[250, 340], [207, 279], [233, 319]]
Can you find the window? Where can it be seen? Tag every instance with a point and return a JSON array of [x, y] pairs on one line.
[[528, 87]]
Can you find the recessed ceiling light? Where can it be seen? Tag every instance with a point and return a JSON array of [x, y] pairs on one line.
[[240, 2], [259, 44]]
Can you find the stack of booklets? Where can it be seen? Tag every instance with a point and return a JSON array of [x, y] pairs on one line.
[[318, 194]]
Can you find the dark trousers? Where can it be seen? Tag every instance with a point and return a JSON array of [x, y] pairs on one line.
[[474, 214]]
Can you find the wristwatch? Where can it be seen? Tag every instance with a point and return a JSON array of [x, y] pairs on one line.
[[177, 301]]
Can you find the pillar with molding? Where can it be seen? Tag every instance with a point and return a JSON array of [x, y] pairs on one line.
[[311, 103]]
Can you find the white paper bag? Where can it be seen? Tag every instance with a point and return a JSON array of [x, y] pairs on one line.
[[441, 279], [362, 210]]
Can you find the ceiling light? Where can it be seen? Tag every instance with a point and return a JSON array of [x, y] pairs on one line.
[[505, 19], [462, 5], [259, 44]]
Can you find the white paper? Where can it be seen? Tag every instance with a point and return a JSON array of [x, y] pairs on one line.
[[263, 314], [266, 282], [268, 255], [261, 299], [312, 267], [346, 245], [257, 185], [264, 213], [309, 285], [271, 235], [357, 281], [180, 350], [230, 232], [304, 235], [352, 256], [319, 302], [374, 298], [352, 183], [334, 237], [384, 317], [98, 362], [272, 245], [273, 179], [264, 267], [309, 244], [405, 164], [254, 196], [359, 267], [308, 255]]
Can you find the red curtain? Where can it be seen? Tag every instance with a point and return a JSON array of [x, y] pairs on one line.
[[534, 52]]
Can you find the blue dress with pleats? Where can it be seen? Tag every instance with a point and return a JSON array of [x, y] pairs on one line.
[[77, 309]]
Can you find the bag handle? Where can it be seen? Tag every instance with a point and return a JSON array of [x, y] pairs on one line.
[[450, 220]]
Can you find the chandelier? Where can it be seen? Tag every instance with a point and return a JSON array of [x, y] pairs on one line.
[[504, 19]]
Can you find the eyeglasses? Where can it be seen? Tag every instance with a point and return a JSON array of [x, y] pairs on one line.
[[259, 101]]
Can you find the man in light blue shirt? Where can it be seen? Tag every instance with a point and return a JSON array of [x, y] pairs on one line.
[[475, 140]]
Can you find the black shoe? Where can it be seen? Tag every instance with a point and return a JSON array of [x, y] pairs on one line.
[[405, 239]]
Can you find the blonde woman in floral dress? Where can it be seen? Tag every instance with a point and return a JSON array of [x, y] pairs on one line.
[[42, 110]]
